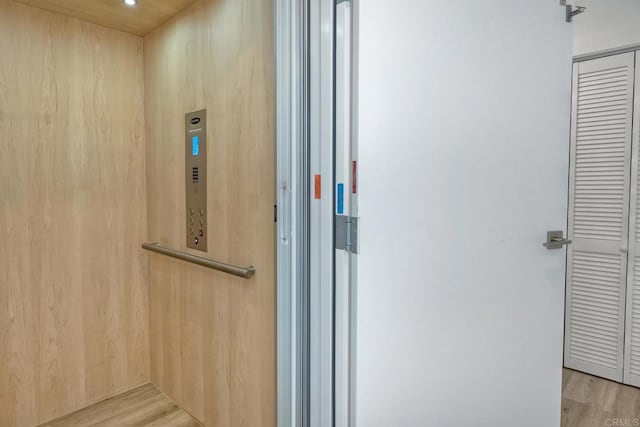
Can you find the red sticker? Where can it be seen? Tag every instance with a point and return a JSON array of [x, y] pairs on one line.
[[354, 178]]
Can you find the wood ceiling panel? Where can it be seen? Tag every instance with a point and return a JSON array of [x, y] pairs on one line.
[[139, 20]]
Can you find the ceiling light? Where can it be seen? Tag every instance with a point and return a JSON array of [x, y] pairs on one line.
[[130, 2]]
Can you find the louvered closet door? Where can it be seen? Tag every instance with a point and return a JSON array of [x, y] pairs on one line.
[[632, 329], [599, 214]]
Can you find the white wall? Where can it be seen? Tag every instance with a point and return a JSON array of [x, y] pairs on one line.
[[606, 24], [463, 144]]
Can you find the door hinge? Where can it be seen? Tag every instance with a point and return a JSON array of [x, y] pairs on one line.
[[347, 233]]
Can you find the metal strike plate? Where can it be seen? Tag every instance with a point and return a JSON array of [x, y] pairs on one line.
[[555, 240], [347, 233]]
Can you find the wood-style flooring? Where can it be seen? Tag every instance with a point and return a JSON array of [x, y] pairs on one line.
[[589, 401], [143, 406]]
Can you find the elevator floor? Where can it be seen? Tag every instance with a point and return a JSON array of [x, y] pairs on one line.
[[143, 406], [589, 401]]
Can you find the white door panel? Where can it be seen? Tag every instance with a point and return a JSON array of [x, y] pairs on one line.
[[463, 160]]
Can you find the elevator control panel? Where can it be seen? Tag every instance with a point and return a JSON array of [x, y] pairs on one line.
[[196, 179]]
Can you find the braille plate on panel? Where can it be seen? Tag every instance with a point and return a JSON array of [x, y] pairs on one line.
[[196, 179]]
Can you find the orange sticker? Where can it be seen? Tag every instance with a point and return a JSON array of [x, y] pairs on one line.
[[318, 186]]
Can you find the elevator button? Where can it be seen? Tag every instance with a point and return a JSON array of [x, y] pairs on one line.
[[195, 207]]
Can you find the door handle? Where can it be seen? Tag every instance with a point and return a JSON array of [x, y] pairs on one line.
[[555, 240]]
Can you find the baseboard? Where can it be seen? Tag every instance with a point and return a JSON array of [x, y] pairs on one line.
[[94, 401]]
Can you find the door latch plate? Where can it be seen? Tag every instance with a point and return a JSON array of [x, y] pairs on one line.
[[347, 233]]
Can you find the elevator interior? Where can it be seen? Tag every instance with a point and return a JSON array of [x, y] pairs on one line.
[[104, 148]]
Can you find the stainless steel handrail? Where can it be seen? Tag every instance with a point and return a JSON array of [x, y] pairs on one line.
[[246, 272]]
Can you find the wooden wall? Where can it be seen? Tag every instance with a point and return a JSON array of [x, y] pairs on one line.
[[147, 15], [213, 335], [73, 280]]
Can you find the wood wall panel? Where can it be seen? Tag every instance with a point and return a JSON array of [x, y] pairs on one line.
[[213, 335], [73, 280], [140, 20]]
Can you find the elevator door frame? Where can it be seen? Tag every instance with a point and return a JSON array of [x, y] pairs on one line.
[[292, 212], [305, 46]]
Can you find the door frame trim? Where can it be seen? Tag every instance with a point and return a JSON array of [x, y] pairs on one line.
[[606, 52], [322, 138], [305, 235], [628, 377], [292, 212]]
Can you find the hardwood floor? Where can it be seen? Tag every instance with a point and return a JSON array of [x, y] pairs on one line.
[[589, 401], [143, 406]]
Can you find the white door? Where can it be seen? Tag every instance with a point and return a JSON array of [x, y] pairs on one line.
[[599, 214], [463, 159], [632, 329]]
